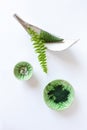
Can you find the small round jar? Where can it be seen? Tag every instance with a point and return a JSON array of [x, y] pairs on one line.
[[23, 70], [58, 95]]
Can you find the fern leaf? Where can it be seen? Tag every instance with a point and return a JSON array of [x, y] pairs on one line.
[[40, 49]]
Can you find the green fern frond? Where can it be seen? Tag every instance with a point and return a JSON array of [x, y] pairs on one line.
[[40, 49]]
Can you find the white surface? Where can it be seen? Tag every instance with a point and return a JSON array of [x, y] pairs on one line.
[[21, 103]]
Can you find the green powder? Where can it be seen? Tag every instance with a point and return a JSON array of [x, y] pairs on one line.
[[48, 38]]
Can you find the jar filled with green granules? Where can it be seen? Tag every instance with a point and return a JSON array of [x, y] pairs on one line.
[[23, 70], [58, 95]]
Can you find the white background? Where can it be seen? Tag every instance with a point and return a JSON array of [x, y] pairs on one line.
[[21, 102]]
